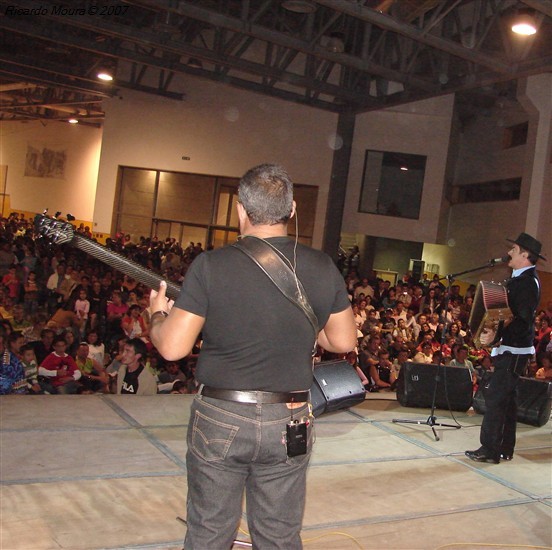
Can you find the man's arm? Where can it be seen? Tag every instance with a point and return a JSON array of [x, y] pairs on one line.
[[175, 335], [339, 333]]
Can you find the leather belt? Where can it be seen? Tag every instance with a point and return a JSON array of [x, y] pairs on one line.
[[252, 396]]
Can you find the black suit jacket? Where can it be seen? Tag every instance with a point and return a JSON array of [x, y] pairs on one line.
[[523, 299]]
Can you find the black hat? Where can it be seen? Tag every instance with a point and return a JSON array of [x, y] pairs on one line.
[[529, 243]]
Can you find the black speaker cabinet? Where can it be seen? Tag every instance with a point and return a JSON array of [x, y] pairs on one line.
[[418, 267], [416, 383], [534, 400], [336, 386]]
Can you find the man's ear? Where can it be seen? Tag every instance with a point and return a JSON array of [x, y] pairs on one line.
[[242, 214]]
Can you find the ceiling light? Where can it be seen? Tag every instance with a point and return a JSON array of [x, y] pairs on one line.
[[336, 43], [105, 74], [73, 121], [299, 6], [195, 63], [404, 168], [524, 24]]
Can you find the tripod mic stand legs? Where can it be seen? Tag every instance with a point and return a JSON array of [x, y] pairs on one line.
[[431, 422]]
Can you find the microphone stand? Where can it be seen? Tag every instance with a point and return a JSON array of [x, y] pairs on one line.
[[431, 420]]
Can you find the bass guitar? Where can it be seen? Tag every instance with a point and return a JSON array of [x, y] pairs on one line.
[[59, 232]]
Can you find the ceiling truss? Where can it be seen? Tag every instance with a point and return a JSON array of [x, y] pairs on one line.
[[341, 56]]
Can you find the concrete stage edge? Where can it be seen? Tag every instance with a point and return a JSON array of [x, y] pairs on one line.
[[109, 472]]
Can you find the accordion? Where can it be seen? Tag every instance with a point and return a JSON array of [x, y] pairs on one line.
[[489, 311]]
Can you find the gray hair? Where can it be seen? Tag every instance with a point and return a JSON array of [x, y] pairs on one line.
[[266, 193]]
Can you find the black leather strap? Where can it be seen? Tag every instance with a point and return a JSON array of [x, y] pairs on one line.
[[279, 273], [245, 396]]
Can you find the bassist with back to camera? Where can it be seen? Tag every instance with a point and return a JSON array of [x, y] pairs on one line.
[[513, 350]]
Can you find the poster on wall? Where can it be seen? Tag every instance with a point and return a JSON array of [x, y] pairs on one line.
[[45, 162]]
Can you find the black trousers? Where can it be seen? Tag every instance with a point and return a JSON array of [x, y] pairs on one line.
[[498, 430]]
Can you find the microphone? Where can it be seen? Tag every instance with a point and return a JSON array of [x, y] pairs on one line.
[[503, 260]]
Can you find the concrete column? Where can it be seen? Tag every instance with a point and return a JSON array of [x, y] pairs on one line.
[[338, 184], [535, 93]]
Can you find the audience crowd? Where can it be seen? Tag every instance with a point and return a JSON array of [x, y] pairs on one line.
[[72, 324]]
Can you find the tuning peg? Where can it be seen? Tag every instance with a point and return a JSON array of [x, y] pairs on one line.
[[56, 215], [45, 211], [70, 217]]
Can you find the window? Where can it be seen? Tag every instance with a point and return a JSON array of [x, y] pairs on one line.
[[516, 135], [488, 191], [392, 184]]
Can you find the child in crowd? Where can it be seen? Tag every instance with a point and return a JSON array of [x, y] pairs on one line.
[[82, 308], [30, 367]]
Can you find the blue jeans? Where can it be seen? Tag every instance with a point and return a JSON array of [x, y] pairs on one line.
[[234, 447]]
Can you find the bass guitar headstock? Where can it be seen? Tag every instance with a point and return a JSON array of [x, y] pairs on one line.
[[55, 230]]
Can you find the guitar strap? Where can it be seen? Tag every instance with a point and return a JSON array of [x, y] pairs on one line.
[[280, 274]]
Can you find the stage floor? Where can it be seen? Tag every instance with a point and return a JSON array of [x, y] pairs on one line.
[[109, 472]]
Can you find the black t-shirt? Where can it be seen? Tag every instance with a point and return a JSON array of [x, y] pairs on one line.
[[130, 383], [254, 338]]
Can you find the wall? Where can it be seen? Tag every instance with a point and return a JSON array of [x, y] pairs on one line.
[[76, 191], [421, 128], [222, 130]]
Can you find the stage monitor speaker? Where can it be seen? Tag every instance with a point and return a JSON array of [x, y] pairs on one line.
[[534, 400], [336, 386], [416, 384]]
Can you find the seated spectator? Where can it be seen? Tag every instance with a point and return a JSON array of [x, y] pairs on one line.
[[62, 319], [381, 374], [542, 336], [484, 365], [401, 358], [60, 286], [15, 341], [98, 304], [133, 324], [30, 368], [396, 346], [399, 312], [30, 298], [454, 332], [6, 308], [368, 358], [364, 288], [415, 302], [401, 331], [545, 370], [59, 370], [96, 347], [179, 387], [461, 360], [71, 341], [429, 339], [12, 375], [169, 375], [19, 321], [82, 309], [465, 310], [43, 347], [134, 377], [433, 321], [12, 283], [389, 301], [359, 320], [116, 310], [94, 378], [192, 383], [425, 355], [38, 323], [429, 302]]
